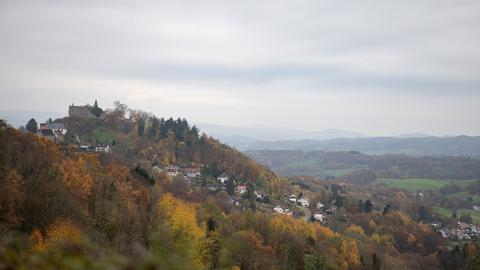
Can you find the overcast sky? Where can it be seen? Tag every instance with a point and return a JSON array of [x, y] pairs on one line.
[[376, 67]]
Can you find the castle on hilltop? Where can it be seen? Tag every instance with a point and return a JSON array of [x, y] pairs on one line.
[[86, 111]]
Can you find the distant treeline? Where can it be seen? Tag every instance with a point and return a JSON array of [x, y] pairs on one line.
[[393, 165], [427, 146]]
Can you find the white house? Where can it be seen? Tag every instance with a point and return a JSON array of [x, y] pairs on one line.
[[59, 127], [192, 172], [102, 147], [305, 202], [278, 209], [223, 178], [319, 205], [476, 208], [292, 198], [171, 170], [319, 216], [259, 194], [85, 147]]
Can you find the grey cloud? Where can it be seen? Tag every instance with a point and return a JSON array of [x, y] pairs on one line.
[[388, 48]]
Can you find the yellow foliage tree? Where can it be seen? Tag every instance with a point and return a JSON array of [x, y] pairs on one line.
[[120, 175], [59, 232], [181, 217], [349, 252], [11, 196], [78, 180], [356, 229], [63, 230]]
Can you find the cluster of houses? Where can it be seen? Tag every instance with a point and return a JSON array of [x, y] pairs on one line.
[[192, 173], [319, 214], [301, 200], [56, 132], [99, 147], [419, 194], [282, 211], [462, 231], [173, 170], [52, 131]]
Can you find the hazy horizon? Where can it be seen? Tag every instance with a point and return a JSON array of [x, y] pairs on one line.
[[376, 68], [19, 118]]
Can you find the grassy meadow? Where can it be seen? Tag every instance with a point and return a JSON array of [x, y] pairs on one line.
[[460, 212], [415, 184]]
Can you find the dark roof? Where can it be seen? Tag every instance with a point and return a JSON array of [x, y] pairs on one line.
[[46, 132], [56, 126], [102, 145]]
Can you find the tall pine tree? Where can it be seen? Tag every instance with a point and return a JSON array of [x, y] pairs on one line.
[[32, 126]]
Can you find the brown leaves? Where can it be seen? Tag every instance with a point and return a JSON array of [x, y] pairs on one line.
[[11, 196], [78, 180]]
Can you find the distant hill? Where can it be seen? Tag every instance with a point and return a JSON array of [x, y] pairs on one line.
[[19, 118], [240, 135], [426, 146], [413, 135], [341, 163]]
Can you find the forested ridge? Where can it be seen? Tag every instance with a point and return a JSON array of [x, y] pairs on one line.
[[62, 207]]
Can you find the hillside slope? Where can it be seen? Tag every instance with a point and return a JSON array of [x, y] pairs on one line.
[[156, 141]]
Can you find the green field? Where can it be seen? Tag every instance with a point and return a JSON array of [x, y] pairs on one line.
[[448, 213], [414, 184], [312, 167], [103, 135]]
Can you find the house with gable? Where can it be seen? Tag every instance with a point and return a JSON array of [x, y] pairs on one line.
[[304, 201], [319, 216], [278, 209], [223, 178], [171, 170], [192, 172]]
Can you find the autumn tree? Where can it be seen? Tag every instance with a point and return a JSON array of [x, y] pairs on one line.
[[11, 196], [212, 246], [77, 179], [119, 110], [181, 218], [249, 253]]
